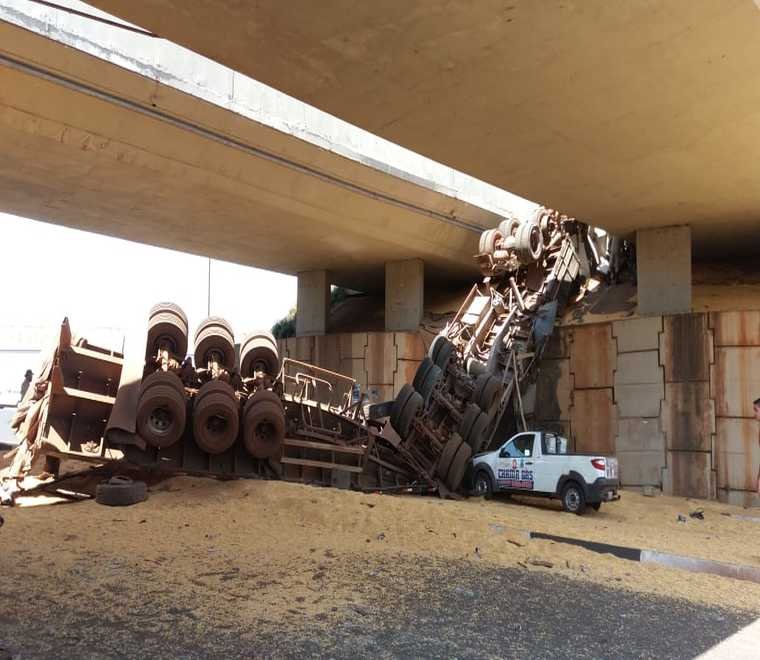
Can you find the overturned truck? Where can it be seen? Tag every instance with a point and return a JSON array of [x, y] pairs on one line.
[[234, 411]]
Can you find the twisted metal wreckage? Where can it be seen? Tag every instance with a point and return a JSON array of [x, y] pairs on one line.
[[254, 415]]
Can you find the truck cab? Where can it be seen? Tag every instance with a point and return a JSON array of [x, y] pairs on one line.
[[538, 463]]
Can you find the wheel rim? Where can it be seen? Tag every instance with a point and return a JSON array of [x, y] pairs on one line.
[[572, 499], [160, 420], [217, 425], [481, 485]]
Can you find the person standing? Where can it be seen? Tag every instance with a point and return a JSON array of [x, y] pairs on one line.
[[756, 408], [25, 383]]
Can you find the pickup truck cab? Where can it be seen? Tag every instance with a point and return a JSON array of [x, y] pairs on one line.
[[537, 463]]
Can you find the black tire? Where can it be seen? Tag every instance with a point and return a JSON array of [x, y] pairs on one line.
[[422, 371], [489, 393], [596, 506], [447, 455], [458, 467], [488, 240], [573, 499], [432, 380], [259, 352], [216, 417], [476, 438], [471, 413], [529, 242], [120, 491], [214, 335], [482, 485], [398, 405], [508, 226], [413, 406], [435, 346], [263, 424], [167, 324], [444, 353], [161, 409]]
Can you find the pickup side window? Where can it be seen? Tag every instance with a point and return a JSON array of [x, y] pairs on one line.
[[519, 447]]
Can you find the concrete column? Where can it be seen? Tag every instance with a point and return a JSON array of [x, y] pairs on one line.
[[312, 302], [663, 264], [404, 289]]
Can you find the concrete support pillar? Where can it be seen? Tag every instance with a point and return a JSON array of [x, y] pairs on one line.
[[312, 302], [404, 290], [663, 264]]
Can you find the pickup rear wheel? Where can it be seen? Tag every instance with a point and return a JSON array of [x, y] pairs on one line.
[[596, 506], [483, 485], [573, 499]]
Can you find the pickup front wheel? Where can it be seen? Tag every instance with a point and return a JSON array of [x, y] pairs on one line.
[[483, 486], [573, 500]]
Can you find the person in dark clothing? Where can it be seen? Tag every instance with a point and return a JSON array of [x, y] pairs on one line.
[[756, 408], [25, 384]]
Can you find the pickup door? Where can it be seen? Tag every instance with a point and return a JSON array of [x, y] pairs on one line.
[[516, 462]]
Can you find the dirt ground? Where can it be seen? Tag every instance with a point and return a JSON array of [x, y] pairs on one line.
[[301, 545]]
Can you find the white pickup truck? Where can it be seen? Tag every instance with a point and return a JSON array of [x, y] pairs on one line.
[[537, 463]]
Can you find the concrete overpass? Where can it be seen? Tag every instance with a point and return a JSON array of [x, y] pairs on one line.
[[118, 133], [629, 115]]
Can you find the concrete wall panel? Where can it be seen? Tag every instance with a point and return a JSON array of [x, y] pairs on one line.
[[735, 380], [640, 435], [381, 358], [737, 453], [405, 370], [637, 334], [409, 346], [663, 266], [638, 368], [685, 348], [641, 468], [594, 420], [592, 356], [327, 352], [688, 416], [641, 400], [356, 369], [558, 345], [736, 328], [379, 393], [688, 474], [353, 344], [554, 390]]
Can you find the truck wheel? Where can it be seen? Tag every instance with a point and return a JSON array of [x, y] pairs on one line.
[[444, 353], [471, 413], [476, 437], [216, 417], [214, 335], [398, 405], [596, 506], [508, 226], [263, 424], [489, 393], [483, 485], [411, 408], [167, 324], [447, 455], [529, 242], [488, 240], [573, 500], [161, 409], [120, 491], [258, 352], [432, 380], [459, 467], [422, 371]]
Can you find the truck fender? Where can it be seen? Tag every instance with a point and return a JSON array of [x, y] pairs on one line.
[[572, 476]]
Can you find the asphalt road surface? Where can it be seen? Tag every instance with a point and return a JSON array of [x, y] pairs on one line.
[[449, 609]]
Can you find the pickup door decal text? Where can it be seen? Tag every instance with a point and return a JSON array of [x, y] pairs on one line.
[[515, 477]]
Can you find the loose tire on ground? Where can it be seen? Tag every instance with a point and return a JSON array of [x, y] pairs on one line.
[[413, 406], [214, 335], [422, 371], [432, 380], [161, 409], [263, 424], [398, 405], [216, 417], [258, 352], [120, 491], [167, 324], [458, 467], [573, 499], [447, 455]]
